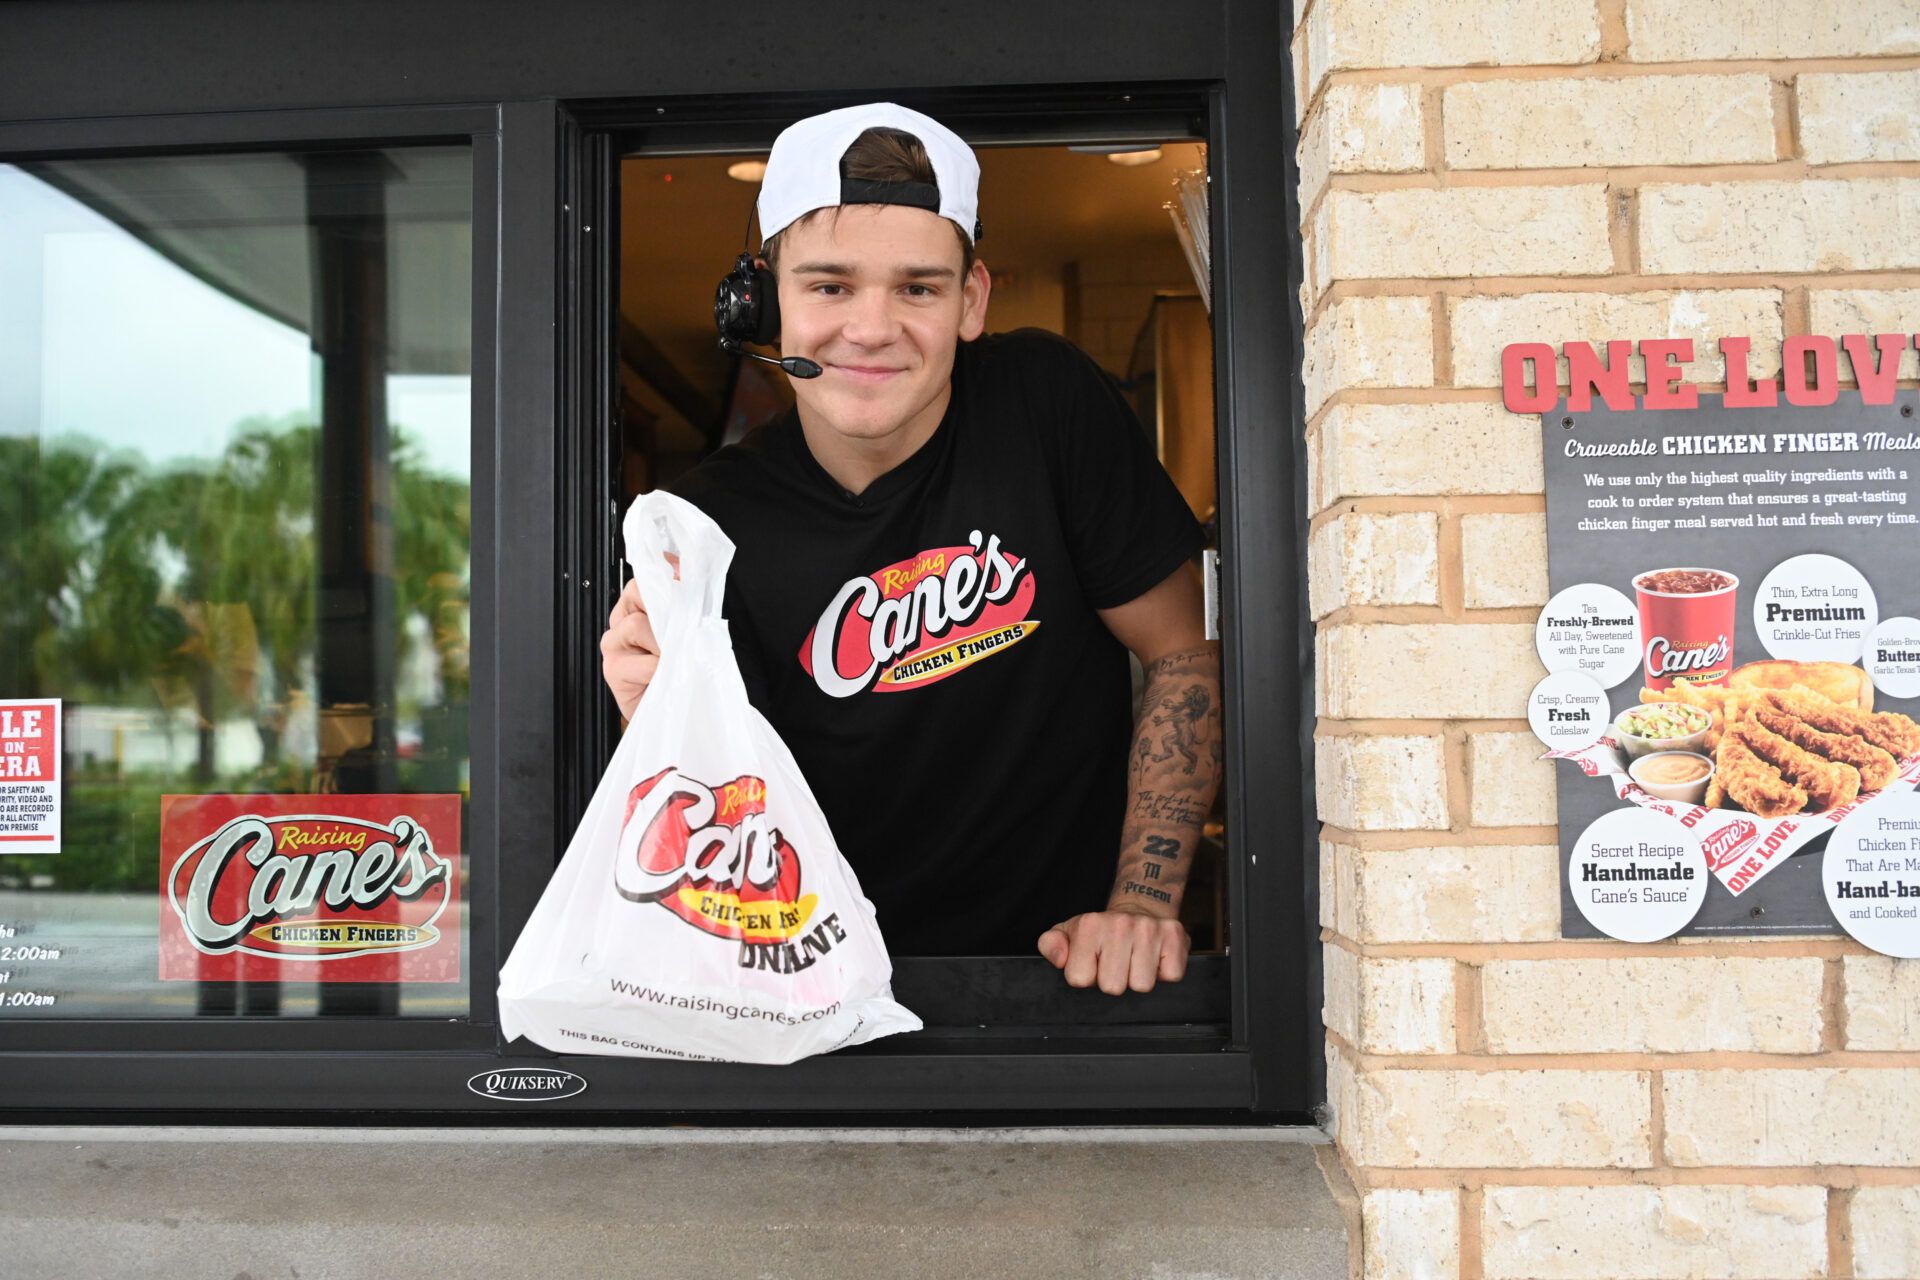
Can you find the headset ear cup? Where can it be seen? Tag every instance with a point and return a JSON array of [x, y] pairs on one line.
[[766, 310], [736, 309]]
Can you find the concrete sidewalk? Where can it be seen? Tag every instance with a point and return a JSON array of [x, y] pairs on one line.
[[249, 1204]]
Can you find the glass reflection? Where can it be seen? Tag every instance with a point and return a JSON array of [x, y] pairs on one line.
[[234, 540]]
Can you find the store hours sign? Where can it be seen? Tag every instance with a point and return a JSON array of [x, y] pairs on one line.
[[1732, 636]]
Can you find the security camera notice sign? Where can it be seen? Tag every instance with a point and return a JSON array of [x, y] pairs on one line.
[[1732, 634], [30, 776]]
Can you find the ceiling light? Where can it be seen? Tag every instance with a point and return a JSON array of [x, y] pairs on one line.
[[747, 170], [1134, 158]]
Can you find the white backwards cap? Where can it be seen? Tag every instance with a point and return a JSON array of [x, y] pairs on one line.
[[803, 172]]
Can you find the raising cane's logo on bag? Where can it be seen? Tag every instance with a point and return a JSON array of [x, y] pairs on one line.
[[329, 888], [709, 855], [918, 621]]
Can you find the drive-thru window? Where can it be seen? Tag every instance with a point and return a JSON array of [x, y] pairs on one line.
[[322, 391]]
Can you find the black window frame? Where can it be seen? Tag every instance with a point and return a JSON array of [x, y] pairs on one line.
[[542, 514]]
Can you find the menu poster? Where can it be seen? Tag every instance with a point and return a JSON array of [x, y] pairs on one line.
[[1737, 586], [30, 775]]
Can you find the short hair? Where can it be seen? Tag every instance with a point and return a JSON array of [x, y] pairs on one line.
[[879, 155]]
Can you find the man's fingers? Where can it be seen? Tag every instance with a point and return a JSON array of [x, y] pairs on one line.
[[627, 602], [1145, 962], [1118, 951], [1173, 955], [1054, 946], [1116, 956], [1083, 960], [634, 633]]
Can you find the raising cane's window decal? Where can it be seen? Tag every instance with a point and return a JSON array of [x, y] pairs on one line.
[[331, 888]]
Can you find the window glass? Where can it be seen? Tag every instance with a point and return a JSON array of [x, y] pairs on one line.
[[234, 584]]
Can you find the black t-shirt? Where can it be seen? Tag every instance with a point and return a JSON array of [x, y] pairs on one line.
[[929, 650]]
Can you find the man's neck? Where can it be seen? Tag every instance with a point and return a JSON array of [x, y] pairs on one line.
[[854, 463]]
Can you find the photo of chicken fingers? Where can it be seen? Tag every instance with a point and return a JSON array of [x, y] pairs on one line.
[[1752, 783], [1901, 735], [1828, 783], [1876, 767], [1890, 732]]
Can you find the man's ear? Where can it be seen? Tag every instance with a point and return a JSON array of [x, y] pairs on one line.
[[973, 317]]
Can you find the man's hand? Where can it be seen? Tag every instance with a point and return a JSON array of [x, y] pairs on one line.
[[629, 654], [1123, 950]]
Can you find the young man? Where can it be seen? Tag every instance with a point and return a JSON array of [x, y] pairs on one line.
[[944, 554]]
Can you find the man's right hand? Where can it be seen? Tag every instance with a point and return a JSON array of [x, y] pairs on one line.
[[628, 652]]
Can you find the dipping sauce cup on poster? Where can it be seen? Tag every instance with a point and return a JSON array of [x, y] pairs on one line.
[[1686, 625]]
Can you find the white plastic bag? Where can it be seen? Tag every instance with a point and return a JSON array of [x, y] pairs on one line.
[[702, 909]]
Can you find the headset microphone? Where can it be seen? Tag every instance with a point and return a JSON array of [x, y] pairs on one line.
[[798, 366]]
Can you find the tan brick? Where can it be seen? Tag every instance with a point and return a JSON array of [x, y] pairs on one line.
[[1639, 1005], [1298, 48], [1868, 116], [1343, 1099], [1512, 785], [1347, 34], [1430, 234], [1805, 1116], [1653, 1233], [1856, 224], [1471, 893], [1389, 1005], [1483, 327], [1550, 124], [1361, 128], [1504, 559], [1686, 31], [1369, 782], [1835, 312], [1473, 670], [1410, 1235], [1328, 907], [1886, 1233], [1501, 1119], [1367, 558], [1882, 1002], [1401, 449], [1368, 342], [1340, 992]]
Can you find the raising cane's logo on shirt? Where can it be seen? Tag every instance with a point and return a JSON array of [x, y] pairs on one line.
[[916, 622], [709, 855]]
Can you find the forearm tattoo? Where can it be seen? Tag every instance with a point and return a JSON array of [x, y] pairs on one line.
[[1172, 775]]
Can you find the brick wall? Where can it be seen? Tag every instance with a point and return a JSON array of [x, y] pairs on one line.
[[1509, 1104]]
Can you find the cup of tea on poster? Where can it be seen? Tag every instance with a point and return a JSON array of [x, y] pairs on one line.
[[1686, 625]]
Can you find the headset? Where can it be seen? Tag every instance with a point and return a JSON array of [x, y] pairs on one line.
[[746, 308]]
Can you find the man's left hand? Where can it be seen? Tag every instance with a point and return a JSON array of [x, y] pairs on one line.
[[1120, 950]]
